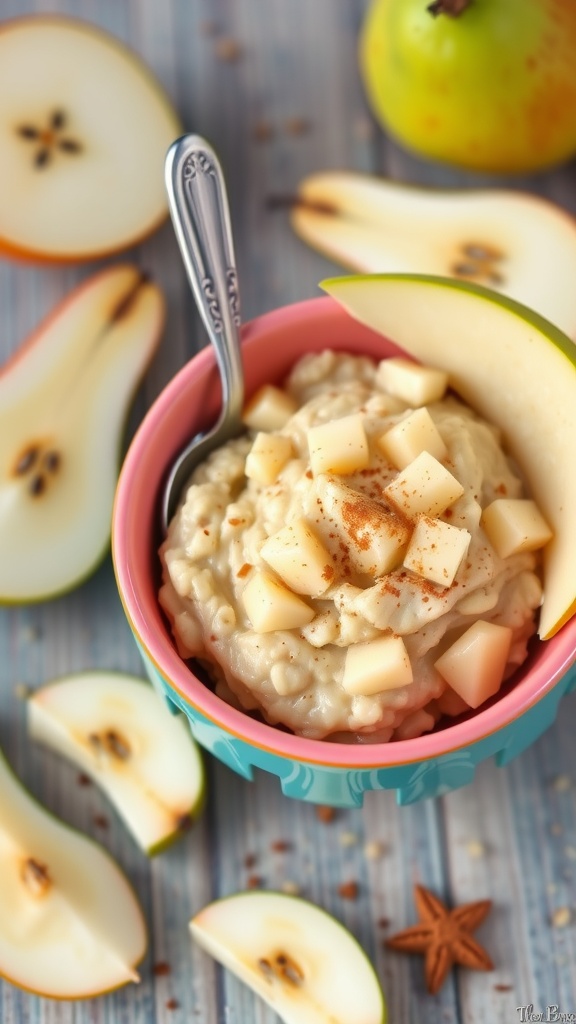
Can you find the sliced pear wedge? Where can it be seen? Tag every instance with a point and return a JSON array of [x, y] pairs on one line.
[[71, 926], [295, 956], [497, 238], [64, 397], [516, 369], [116, 728], [84, 128]]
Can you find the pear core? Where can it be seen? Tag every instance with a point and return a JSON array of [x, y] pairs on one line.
[[85, 128]]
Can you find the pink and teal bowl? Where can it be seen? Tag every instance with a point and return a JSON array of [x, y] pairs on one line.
[[337, 774]]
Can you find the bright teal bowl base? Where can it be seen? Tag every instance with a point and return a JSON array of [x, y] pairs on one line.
[[340, 787]]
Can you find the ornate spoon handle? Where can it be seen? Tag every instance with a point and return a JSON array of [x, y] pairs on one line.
[[201, 219]]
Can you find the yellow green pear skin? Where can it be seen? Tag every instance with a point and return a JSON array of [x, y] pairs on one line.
[[492, 89]]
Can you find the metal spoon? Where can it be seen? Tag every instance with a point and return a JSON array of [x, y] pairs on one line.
[[201, 219]]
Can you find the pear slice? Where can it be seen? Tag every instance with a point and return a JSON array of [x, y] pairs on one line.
[[64, 396], [71, 926], [84, 129], [116, 728], [295, 956], [516, 369], [498, 238]]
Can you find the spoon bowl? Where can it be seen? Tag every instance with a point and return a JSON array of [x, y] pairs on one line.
[[200, 215]]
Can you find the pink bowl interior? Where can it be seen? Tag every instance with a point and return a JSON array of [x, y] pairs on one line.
[[271, 344]]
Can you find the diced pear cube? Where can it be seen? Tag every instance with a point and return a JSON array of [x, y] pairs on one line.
[[267, 456], [270, 605], [270, 408], [474, 665], [415, 724], [451, 703], [414, 383], [375, 540], [436, 550], [478, 601], [299, 558], [416, 433], [513, 525], [340, 446], [425, 487], [376, 665]]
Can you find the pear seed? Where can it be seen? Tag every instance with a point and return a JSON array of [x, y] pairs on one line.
[[266, 968], [117, 745], [42, 158], [57, 120], [37, 485], [110, 743], [290, 971], [36, 877], [464, 269], [51, 461], [26, 131], [282, 967], [476, 251], [26, 460], [69, 146]]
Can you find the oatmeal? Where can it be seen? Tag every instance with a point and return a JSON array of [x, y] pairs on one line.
[[334, 567]]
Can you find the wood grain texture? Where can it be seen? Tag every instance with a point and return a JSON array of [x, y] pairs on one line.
[[509, 836]]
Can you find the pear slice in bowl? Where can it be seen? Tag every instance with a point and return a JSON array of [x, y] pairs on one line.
[[71, 926], [298, 958], [117, 729], [514, 368]]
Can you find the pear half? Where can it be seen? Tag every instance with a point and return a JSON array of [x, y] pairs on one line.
[[64, 396], [116, 728], [71, 926], [295, 956], [497, 238], [512, 366], [84, 129]]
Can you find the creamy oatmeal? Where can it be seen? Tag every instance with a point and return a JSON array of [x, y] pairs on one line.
[[328, 569]]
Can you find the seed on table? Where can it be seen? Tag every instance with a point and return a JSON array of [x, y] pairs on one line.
[[347, 839], [325, 813], [561, 917], [348, 890]]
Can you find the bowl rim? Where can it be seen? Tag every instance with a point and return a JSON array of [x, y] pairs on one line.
[[162, 653]]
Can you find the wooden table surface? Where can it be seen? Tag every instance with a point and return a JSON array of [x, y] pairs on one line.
[[510, 835]]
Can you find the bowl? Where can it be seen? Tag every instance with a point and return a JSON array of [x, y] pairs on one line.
[[336, 774]]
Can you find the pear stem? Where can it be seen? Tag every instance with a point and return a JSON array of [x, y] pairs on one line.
[[451, 7]]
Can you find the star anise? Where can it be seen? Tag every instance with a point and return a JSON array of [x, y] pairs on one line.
[[444, 937]]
